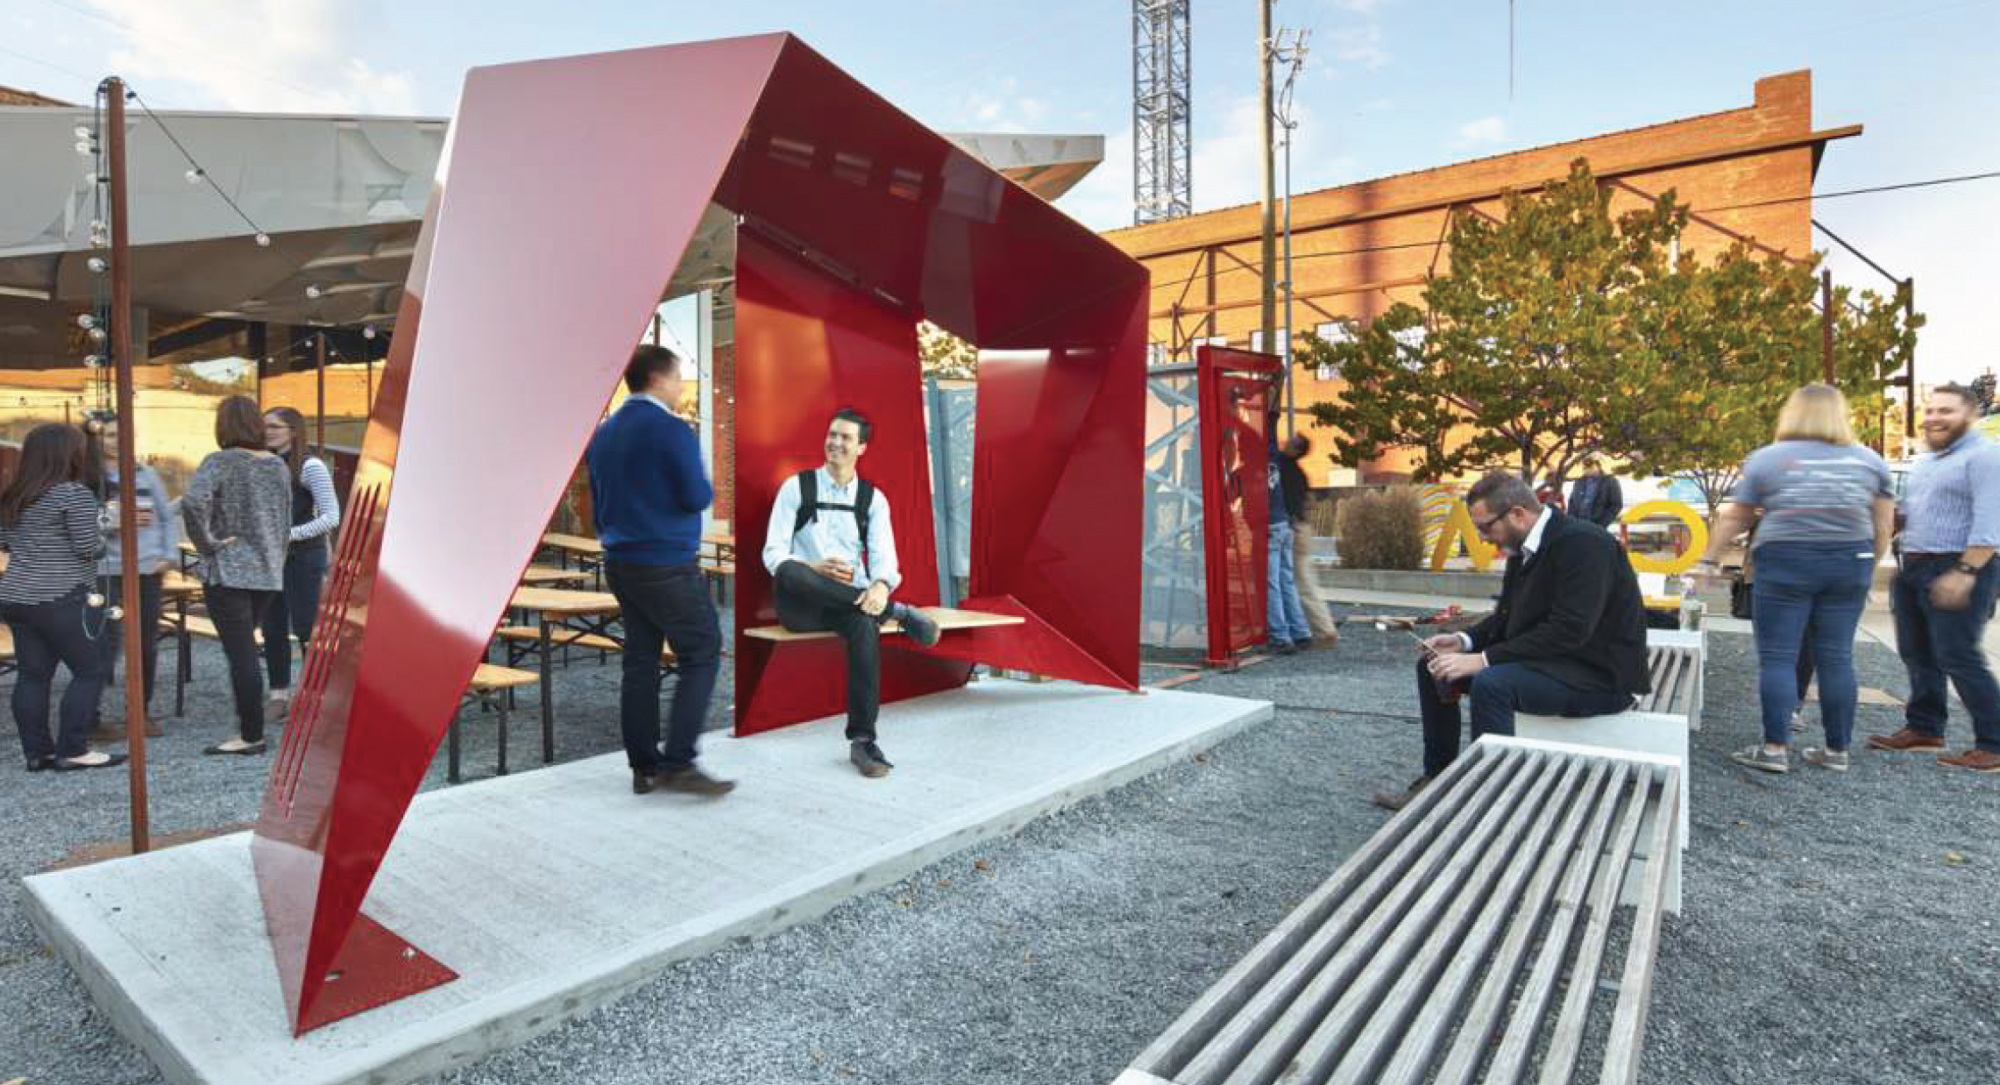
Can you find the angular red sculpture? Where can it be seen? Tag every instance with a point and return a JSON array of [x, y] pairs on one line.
[[1234, 390], [571, 191]]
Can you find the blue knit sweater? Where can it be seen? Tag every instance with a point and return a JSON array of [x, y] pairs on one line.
[[647, 486]]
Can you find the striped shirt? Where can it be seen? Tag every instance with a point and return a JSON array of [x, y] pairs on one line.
[[53, 549], [1953, 500], [316, 480]]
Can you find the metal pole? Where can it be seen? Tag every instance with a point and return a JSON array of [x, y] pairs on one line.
[[319, 391], [368, 375], [128, 473], [1826, 326], [1909, 362], [1290, 425], [1267, 300]]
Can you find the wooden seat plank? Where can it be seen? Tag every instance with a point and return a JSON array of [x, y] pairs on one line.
[[948, 619], [488, 677]]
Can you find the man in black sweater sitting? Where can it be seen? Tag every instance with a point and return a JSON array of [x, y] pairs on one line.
[[1568, 638]]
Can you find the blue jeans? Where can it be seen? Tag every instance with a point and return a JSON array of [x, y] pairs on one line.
[[1939, 644], [664, 605], [1497, 693], [1284, 616], [45, 634], [291, 614], [1819, 587]]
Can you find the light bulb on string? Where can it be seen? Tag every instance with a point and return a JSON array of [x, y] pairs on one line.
[[86, 147], [93, 360], [86, 321], [93, 177], [81, 131], [312, 291], [96, 335], [194, 176], [263, 240], [96, 265], [368, 331]]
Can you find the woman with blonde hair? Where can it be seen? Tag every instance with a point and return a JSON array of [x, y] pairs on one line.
[[1827, 514]]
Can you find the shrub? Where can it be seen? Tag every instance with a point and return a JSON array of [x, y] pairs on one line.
[[1320, 509], [1383, 530]]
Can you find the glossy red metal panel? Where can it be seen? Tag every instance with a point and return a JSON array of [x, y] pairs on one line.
[[556, 229], [1234, 394], [806, 345]]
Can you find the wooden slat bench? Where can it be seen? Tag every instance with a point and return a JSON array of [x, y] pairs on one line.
[[947, 618], [1438, 950], [488, 689]]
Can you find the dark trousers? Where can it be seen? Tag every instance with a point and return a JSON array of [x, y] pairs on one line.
[[811, 603], [664, 604], [112, 643], [291, 614], [58, 631], [1937, 645], [1497, 693], [1817, 589], [236, 613]]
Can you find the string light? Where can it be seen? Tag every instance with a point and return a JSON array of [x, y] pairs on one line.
[[96, 265], [195, 175], [312, 291]]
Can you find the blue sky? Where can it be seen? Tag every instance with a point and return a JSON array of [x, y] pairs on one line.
[[1389, 86]]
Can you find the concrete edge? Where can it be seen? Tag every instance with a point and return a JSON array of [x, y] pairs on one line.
[[463, 1035]]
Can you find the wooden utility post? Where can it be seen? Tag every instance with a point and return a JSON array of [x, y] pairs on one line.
[[1267, 267], [1909, 361], [128, 472], [1826, 327]]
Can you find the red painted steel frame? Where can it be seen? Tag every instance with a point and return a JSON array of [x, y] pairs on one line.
[[570, 192], [1233, 389]]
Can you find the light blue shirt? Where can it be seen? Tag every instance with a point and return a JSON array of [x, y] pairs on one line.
[[1953, 500], [159, 545], [833, 533]]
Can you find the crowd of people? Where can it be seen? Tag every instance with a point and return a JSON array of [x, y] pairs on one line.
[[259, 512], [1567, 637]]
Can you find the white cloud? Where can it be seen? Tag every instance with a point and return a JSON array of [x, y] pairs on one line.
[[1226, 164], [1361, 46], [1103, 199], [999, 107], [1491, 129], [257, 55], [1359, 7]]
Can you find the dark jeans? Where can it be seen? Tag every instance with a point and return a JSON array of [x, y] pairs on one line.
[[112, 643], [58, 631], [236, 613], [291, 614], [811, 603], [664, 604], [1497, 693], [1818, 588], [1939, 644]]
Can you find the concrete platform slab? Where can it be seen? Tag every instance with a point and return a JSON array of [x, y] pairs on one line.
[[553, 892]]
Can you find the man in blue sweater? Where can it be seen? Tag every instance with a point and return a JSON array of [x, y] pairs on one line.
[[647, 492]]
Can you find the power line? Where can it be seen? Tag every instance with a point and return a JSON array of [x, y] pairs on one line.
[[262, 237]]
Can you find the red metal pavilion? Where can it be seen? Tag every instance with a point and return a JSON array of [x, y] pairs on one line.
[[571, 189]]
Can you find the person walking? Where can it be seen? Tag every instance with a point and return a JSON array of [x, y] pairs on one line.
[[1827, 517], [238, 514], [1298, 499], [157, 537], [315, 516], [1943, 594], [50, 532], [1596, 497], [647, 492]]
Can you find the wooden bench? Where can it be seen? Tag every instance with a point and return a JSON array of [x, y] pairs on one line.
[[947, 619], [1658, 724], [487, 689], [1438, 950]]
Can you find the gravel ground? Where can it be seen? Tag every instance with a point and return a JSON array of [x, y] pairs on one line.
[[1838, 928]]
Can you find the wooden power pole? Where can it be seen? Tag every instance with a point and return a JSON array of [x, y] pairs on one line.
[[128, 473], [1267, 266]]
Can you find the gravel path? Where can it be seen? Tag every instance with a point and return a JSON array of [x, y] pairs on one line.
[[1838, 928]]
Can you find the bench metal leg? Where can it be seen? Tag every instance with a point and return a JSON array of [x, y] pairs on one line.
[[548, 698], [503, 737]]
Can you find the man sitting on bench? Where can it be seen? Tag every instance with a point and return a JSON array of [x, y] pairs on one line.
[[1567, 639], [832, 558]]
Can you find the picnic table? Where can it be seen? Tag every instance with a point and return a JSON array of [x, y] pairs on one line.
[[580, 618]]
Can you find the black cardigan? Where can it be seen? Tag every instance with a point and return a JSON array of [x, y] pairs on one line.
[[1573, 612]]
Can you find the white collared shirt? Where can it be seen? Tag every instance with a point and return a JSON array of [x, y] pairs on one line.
[[833, 533]]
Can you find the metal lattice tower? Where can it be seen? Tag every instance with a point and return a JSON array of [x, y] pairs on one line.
[[1161, 143]]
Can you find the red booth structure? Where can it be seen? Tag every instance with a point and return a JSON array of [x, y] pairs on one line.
[[1233, 390], [570, 191]]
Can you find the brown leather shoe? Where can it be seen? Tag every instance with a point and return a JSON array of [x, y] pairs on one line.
[[1975, 759], [692, 781], [1394, 800], [1907, 740]]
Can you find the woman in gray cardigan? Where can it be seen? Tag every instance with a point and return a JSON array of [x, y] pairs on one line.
[[238, 513]]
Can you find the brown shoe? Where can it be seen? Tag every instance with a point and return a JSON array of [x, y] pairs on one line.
[[692, 781], [1907, 740], [1976, 760], [1393, 800]]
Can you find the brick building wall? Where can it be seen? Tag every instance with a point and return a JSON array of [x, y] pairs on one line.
[[1360, 248]]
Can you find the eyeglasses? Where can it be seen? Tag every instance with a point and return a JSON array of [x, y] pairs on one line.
[[1487, 526]]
